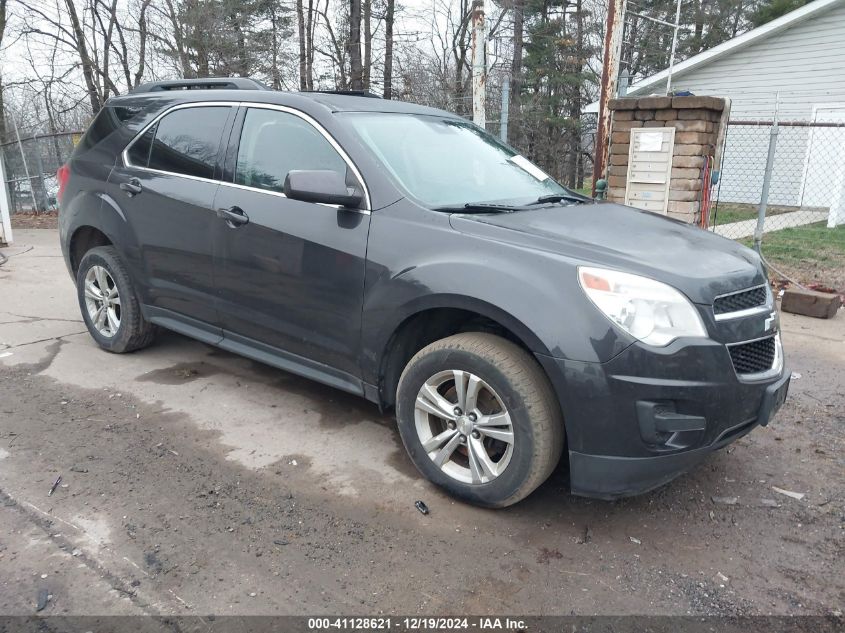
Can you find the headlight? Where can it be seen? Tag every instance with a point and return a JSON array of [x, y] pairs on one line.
[[648, 310]]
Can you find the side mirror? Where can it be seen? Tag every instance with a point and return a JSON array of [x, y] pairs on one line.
[[321, 186]]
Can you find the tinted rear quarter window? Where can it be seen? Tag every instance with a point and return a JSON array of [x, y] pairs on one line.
[[187, 141], [107, 121]]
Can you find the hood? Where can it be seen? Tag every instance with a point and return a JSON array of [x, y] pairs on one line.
[[699, 263]]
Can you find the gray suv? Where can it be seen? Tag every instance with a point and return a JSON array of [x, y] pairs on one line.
[[403, 254]]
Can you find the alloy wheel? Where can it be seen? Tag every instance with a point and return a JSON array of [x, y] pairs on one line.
[[464, 426], [102, 301]]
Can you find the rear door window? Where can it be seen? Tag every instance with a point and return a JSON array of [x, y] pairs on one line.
[[274, 143], [139, 151], [186, 141]]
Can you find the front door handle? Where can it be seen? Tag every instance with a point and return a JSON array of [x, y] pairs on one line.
[[133, 187], [234, 216]]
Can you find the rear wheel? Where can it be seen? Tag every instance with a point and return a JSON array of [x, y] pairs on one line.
[[109, 306], [479, 418]]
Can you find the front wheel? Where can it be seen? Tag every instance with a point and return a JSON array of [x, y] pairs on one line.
[[479, 418]]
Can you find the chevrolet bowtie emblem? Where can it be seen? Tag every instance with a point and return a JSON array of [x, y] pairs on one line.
[[770, 321]]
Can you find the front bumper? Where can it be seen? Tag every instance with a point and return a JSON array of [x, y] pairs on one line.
[[643, 418]]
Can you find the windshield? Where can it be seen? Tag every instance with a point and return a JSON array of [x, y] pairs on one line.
[[444, 162]]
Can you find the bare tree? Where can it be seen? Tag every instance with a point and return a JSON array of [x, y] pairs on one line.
[[367, 14], [516, 67], [300, 23], [335, 48], [310, 25], [356, 71], [388, 49]]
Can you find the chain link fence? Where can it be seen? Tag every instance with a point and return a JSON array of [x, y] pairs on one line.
[[31, 164], [791, 175]]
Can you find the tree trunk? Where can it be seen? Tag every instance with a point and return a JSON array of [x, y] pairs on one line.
[[275, 73], [575, 101], [356, 74], [179, 41], [388, 50], [310, 25], [2, 19], [242, 67], [84, 58], [516, 73], [303, 63], [368, 43], [460, 51], [142, 44]]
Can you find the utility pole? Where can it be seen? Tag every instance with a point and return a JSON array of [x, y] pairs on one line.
[[479, 64], [609, 74]]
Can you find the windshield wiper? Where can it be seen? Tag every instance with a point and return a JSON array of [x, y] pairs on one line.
[[561, 197], [483, 207]]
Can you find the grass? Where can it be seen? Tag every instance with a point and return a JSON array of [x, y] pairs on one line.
[[809, 254], [810, 244]]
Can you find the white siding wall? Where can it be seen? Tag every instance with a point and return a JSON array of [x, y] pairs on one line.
[[805, 64]]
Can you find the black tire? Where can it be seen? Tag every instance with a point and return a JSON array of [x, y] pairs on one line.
[[524, 390], [134, 332]]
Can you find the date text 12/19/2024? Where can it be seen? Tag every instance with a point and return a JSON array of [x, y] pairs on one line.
[[416, 623]]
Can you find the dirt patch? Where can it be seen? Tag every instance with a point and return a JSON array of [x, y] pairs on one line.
[[226, 539], [44, 220]]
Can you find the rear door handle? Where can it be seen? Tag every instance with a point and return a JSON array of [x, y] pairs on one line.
[[133, 187], [234, 216]]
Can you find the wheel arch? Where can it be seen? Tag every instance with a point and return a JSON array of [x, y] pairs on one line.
[[433, 318], [82, 240]]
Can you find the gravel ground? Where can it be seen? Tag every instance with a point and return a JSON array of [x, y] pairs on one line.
[[196, 482]]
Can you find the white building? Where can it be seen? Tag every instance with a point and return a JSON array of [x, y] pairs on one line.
[[795, 65]]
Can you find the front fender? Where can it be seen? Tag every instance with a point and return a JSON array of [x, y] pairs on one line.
[[532, 293]]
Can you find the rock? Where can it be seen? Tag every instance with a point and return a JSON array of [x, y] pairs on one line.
[[821, 305], [42, 599], [769, 503], [725, 501]]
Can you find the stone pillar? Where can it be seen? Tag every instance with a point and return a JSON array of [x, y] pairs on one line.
[[699, 123]]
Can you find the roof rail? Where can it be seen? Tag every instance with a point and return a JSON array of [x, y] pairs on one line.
[[349, 93], [205, 83]]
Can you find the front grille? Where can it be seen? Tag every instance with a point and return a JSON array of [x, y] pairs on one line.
[[753, 357], [740, 300]]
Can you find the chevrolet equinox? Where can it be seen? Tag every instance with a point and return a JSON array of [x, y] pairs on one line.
[[403, 254]]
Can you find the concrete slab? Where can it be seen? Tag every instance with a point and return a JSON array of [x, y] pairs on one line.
[[746, 228]]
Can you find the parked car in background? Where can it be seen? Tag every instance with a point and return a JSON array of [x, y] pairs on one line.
[[403, 254]]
